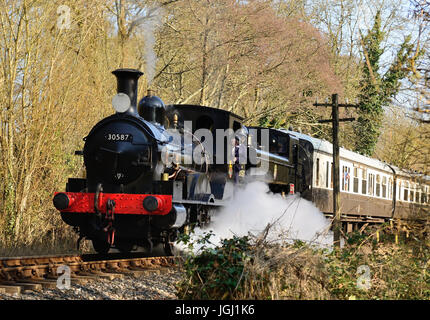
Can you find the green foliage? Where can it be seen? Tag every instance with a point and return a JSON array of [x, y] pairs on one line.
[[395, 272], [377, 90], [214, 273], [272, 122], [356, 238]]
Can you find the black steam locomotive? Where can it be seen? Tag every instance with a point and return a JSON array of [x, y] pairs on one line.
[[151, 173]]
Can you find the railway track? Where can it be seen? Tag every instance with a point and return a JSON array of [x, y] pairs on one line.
[[20, 274]]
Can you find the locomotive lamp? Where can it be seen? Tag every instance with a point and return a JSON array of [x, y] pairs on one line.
[[121, 102]]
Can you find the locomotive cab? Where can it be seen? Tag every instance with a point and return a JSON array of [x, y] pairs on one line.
[[222, 126]]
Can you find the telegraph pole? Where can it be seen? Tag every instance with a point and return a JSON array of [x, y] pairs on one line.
[[337, 225]]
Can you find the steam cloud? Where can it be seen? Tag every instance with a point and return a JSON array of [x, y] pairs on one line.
[[254, 207], [152, 21]]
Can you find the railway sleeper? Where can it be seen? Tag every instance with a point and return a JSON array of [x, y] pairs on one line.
[[81, 279], [10, 289], [26, 286], [46, 283], [99, 274]]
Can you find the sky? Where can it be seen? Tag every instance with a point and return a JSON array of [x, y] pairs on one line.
[[397, 21]]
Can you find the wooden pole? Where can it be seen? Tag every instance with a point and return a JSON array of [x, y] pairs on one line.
[[337, 224], [336, 178]]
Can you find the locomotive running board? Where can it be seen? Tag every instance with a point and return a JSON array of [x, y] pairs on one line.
[[216, 203]]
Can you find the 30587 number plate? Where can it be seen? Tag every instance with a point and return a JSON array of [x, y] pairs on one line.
[[125, 137]]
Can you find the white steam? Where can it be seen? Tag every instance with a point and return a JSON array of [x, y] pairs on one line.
[[151, 22], [254, 208]]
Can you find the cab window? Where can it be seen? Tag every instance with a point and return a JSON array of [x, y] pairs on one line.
[[279, 144]]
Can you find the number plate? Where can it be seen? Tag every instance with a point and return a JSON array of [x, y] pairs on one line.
[[124, 137]]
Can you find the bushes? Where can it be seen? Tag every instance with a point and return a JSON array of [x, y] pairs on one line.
[[248, 268], [215, 272], [393, 271]]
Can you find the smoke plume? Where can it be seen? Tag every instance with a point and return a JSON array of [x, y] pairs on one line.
[[152, 21]]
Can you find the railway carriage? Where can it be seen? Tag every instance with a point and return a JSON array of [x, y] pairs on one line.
[[371, 191]]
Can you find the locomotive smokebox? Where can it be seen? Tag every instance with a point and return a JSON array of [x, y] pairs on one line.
[[127, 84], [152, 108]]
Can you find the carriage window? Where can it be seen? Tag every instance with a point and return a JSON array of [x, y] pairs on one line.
[[427, 196], [378, 185], [371, 184], [345, 178], [364, 182], [406, 191], [279, 144], [384, 187], [318, 172], [283, 146], [399, 190], [390, 188], [424, 195], [327, 174], [355, 187], [332, 175], [273, 143]]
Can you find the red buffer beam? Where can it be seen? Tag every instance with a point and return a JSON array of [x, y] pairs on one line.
[[140, 204]]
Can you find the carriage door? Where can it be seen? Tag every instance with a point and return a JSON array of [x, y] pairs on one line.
[[295, 174]]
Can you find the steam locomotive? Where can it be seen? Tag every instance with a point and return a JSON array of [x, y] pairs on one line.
[[147, 173], [153, 171]]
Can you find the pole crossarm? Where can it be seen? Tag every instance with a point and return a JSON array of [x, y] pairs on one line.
[[343, 105], [335, 105], [340, 120]]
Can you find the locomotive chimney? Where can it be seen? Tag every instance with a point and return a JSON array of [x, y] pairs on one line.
[[127, 83]]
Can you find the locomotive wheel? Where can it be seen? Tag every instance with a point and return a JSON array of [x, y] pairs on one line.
[[101, 247], [203, 218], [168, 242], [168, 248]]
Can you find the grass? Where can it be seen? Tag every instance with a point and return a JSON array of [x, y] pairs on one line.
[[65, 245]]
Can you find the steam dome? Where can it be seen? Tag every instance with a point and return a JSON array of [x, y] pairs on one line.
[[152, 109]]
